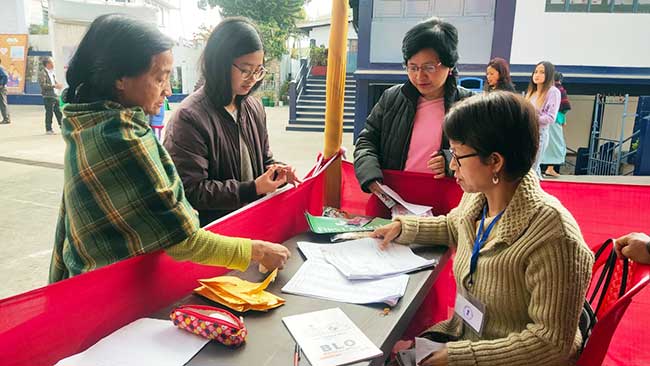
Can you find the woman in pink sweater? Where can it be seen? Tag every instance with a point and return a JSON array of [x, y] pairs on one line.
[[546, 99]]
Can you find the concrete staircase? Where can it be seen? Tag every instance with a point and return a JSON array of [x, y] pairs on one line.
[[310, 109]]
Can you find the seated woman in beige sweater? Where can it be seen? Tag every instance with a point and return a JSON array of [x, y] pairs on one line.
[[520, 258]]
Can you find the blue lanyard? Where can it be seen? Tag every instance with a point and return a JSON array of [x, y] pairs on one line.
[[481, 238]]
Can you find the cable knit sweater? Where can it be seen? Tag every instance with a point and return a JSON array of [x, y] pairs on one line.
[[532, 275]]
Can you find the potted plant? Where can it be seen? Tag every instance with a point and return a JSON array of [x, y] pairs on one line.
[[318, 57], [284, 93], [268, 98]]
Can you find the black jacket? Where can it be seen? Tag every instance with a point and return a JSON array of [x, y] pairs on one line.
[[384, 142], [203, 142]]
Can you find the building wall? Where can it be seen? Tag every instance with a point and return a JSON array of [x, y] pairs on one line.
[[69, 20], [40, 42], [590, 39], [66, 37], [14, 17], [391, 19], [322, 35], [188, 60]]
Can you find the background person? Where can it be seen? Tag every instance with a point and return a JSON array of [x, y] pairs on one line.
[[546, 99], [4, 109], [50, 89], [555, 153], [497, 76]]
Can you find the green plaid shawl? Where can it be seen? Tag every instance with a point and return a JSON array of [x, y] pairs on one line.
[[122, 195]]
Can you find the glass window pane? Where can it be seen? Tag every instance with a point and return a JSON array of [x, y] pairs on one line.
[[555, 5]]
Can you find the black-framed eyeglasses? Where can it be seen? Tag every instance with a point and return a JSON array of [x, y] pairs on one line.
[[428, 68], [459, 158], [257, 74]]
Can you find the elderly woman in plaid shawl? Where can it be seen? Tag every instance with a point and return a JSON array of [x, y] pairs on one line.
[[122, 195]]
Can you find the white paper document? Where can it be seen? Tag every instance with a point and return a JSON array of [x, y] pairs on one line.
[[363, 259], [312, 251], [330, 338], [143, 342], [321, 280], [411, 207], [424, 347]]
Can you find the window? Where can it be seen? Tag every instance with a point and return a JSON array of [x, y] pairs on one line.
[[387, 8], [598, 6]]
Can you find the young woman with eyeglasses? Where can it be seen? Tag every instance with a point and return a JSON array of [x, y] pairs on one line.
[[218, 137], [404, 129]]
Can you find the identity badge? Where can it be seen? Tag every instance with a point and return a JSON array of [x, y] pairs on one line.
[[471, 311]]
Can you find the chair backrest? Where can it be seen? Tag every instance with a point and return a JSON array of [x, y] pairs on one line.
[[610, 315], [471, 83]]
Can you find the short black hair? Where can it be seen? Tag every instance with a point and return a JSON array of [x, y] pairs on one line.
[[232, 38], [558, 76], [498, 122], [442, 37], [115, 46]]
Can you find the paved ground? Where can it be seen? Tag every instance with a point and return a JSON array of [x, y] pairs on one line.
[[31, 181]]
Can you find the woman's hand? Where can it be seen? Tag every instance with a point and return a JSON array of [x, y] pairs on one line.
[[375, 188], [388, 233], [288, 171], [266, 184], [437, 165], [437, 358], [633, 246], [270, 255]]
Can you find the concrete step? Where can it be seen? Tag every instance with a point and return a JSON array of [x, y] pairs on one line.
[[320, 109], [348, 84], [316, 97], [321, 115], [321, 103], [309, 128], [318, 121], [348, 89], [348, 93]]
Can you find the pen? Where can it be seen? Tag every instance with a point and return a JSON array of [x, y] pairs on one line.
[[296, 355]]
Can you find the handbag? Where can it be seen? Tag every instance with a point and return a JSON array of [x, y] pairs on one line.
[[614, 273], [211, 323]]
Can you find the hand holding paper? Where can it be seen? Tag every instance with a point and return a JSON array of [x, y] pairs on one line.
[[414, 209]]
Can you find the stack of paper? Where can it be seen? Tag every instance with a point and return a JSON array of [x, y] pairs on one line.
[[330, 338], [321, 280], [363, 259], [240, 295]]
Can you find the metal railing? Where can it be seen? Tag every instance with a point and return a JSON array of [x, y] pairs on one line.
[[296, 88], [606, 155]]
